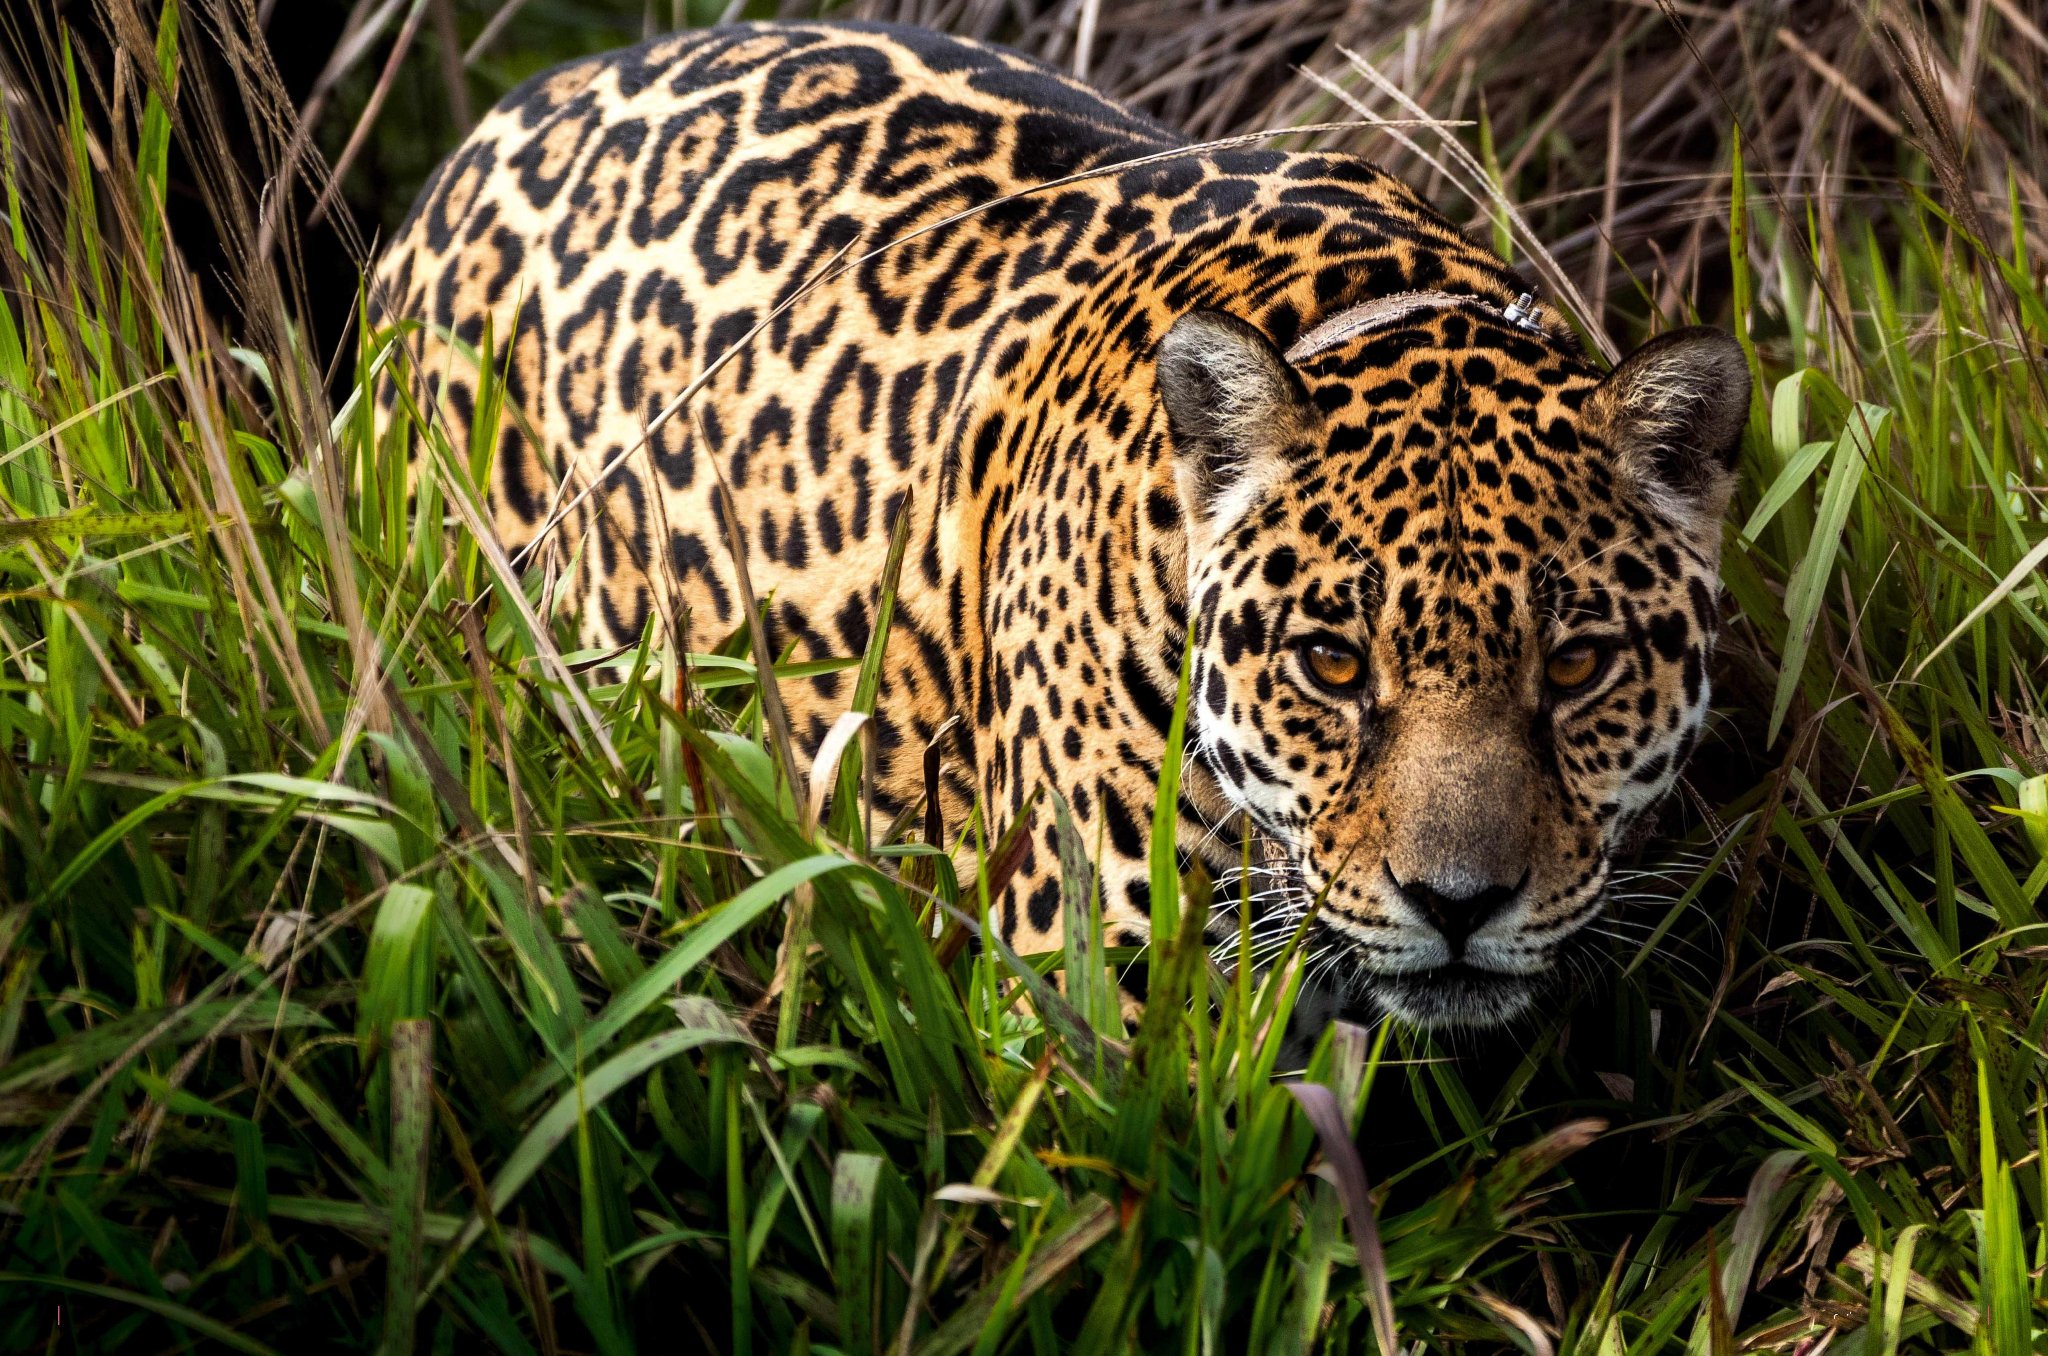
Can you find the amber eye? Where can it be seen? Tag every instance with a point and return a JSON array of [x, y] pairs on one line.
[[1575, 666], [1337, 667]]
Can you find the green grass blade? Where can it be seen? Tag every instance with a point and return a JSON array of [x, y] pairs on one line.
[[856, 1207], [177, 1314], [554, 1126], [411, 1064], [1862, 445]]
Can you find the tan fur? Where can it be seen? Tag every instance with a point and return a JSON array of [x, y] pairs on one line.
[[629, 218]]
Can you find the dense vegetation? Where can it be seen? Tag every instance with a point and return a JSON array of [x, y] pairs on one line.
[[375, 970]]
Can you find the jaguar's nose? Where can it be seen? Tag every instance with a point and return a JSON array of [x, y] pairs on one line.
[[1456, 912]]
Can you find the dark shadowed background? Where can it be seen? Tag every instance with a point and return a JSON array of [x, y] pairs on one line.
[[1606, 121]]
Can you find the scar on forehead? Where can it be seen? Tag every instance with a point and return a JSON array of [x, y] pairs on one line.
[[1371, 315]]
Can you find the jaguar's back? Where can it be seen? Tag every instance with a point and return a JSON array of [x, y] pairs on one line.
[[625, 222]]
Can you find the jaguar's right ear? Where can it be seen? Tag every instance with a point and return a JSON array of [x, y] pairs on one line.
[[1231, 403]]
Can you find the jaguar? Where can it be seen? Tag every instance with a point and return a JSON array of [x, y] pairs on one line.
[[1442, 591]]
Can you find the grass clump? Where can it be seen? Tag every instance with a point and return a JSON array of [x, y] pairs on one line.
[[375, 973]]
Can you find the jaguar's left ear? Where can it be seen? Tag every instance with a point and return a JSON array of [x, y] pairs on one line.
[[1673, 411], [1232, 402]]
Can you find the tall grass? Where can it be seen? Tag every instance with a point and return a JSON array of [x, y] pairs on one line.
[[375, 972]]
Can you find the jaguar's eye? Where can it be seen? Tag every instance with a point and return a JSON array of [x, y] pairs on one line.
[[1575, 666], [1333, 666]]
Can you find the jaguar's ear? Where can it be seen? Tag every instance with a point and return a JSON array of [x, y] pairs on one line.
[[1231, 403], [1673, 411]]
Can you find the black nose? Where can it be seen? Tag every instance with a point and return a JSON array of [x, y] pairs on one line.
[[1455, 916]]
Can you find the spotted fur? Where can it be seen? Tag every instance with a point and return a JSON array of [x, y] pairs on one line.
[[1267, 399]]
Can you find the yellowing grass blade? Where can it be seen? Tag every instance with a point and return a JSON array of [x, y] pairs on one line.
[[2014, 577], [825, 766]]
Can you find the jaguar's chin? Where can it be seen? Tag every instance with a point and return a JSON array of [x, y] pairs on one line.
[[1457, 995]]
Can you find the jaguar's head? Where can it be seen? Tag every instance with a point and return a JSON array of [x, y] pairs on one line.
[[1454, 596]]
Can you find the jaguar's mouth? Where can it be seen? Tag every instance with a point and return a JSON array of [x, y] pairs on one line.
[[1459, 994], [1373, 969]]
